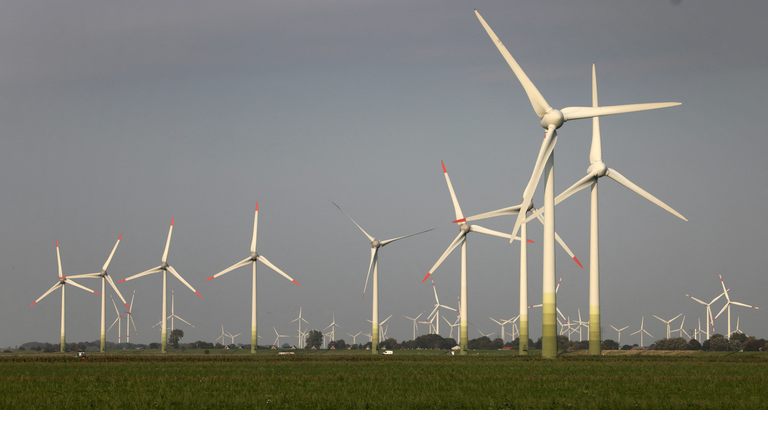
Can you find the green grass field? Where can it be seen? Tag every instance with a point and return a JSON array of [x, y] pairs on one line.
[[406, 380]]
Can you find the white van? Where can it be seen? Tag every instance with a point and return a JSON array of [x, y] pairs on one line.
[[388, 352]]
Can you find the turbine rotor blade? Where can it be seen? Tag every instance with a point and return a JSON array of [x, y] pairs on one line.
[[168, 242], [181, 279], [615, 175], [255, 227], [385, 242], [456, 207], [574, 113], [144, 273], [353, 221], [106, 264], [501, 212], [538, 102], [374, 258], [50, 290], [58, 258], [456, 242], [229, 269], [80, 286], [112, 284]]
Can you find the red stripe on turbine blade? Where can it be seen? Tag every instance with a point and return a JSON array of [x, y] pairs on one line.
[[121, 236], [121, 281], [98, 293], [62, 277], [577, 262], [462, 220], [425, 277], [57, 243], [33, 304], [172, 221], [257, 206], [531, 241], [444, 170], [198, 294], [210, 278], [126, 305], [296, 283]]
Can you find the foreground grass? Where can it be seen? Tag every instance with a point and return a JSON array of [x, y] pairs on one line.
[[407, 380]]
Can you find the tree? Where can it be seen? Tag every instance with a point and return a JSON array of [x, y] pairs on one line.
[[717, 342], [388, 344], [753, 344], [314, 339], [175, 337], [339, 344], [610, 344], [695, 345], [154, 345], [741, 337]]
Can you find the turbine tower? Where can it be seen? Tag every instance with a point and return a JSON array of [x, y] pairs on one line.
[[105, 277], [62, 283], [252, 260], [375, 245], [551, 120], [164, 267]]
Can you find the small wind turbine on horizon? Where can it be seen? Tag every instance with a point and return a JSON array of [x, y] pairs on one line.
[[301, 335], [62, 283], [117, 321], [551, 120], [173, 315], [374, 264], [641, 331], [164, 267], [669, 334], [619, 331], [252, 260], [415, 330], [728, 305], [710, 320]]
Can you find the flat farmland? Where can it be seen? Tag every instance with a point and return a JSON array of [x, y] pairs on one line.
[[406, 380]]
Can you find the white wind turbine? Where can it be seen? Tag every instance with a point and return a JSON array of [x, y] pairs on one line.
[[452, 325], [737, 329], [669, 334], [486, 335], [223, 335], [104, 277], [728, 305], [173, 315], [461, 240], [620, 330], [277, 340], [502, 323], [333, 326], [680, 331], [374, 264], [709, 321], [252, 260], [551, 119], [641, 331], [62, 283], [434, 316], [117, 321], [595, 171], [414, 323], [301, 335], [557, 289], [582, 324], [129, 320], [230, 335], [164, 267], [354, 337]]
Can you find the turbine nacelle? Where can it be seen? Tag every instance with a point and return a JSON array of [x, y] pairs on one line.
[[598, 169], [553, 117], [375, 244], [254, 256], [465, 228], [164, 265]]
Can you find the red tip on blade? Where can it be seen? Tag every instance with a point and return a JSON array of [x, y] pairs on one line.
[[462, 220], [126, 305], [577, 262], [57, 245], [96, 293], [121, 281], [257, 206], [198, 294], [33, 304], [425, 277], [444, 170], [62, 277], [210, 278], [172, 221], [531, 241], [296, 283], [121, 236]]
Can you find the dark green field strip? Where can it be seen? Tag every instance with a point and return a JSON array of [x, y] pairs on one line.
[[407, 382]]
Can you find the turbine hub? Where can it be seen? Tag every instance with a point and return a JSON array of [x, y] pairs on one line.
[[254, 256], [553, 117], [103, 273], [164, 265], [375, 244], [599, 169], [465, 228]]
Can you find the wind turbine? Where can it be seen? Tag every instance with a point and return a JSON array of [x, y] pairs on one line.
[[641, 331], [62, 283], [164, 267], [737, 329], [129, 320], [502, 323], [333, 327], [375, 245], [173, 315], [252, 260], [452, 325], [277, 340], [557, 289], [486, 335], [230, 335], [595, 171], [381, 328], [435, 314], [461, 240], [414, 323], [620, 330], [354, 337], [680, 331], [105, 277], [301, 336], [728, 305], [223, 335], [551, 120], [117, 321], [669, 334], [710, 321], [582, 324]]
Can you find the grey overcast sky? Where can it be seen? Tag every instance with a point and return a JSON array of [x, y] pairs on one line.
[[117, 117]]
